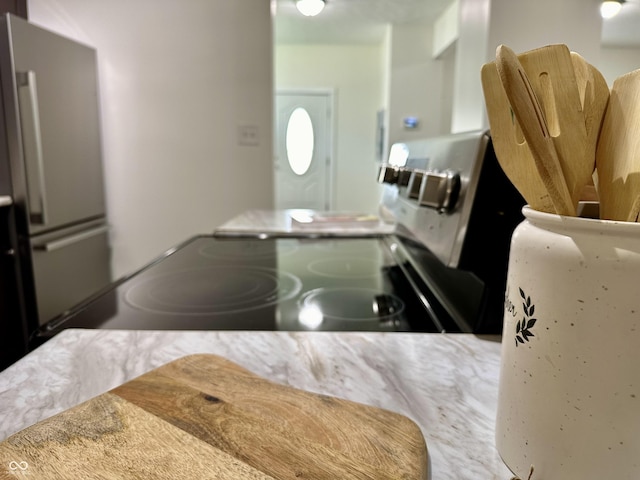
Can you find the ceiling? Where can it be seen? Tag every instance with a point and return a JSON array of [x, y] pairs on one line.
[[351, 21], [363, 21]]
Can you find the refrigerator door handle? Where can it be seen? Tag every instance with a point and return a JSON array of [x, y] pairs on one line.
[[32, 145], [71, 239]]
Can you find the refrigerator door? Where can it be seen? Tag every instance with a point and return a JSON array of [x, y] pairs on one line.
[[69, 266], [52, 111]]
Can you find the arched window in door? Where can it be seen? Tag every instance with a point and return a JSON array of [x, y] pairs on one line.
[[299, 140]]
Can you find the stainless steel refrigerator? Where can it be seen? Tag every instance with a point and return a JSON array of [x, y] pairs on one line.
[[51, 165]]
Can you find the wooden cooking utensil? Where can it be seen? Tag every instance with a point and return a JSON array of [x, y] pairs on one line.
[[618, 151], [512, 152], [551, 73], [203, 416], [531, 118], [634, 213], [594, 97]]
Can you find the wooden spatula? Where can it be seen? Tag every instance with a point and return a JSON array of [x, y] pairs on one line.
[[514, 155], [618, 151], [528, 111], [551, 73], [594, 97]]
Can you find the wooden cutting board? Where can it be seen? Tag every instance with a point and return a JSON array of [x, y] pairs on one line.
[[204, 417]]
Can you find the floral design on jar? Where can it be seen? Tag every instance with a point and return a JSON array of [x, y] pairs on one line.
[[523, 327]]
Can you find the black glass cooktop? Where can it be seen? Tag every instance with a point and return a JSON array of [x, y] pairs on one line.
[[210, 283]]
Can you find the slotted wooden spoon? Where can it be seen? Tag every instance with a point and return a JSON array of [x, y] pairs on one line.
[[551, 73], [532, 120], [594, 97], [512, 152], [618, 151]]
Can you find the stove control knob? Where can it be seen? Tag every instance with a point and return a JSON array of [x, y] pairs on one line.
[[440, 190], [404, 175], [388, 174], [415, 183], [452, 191]]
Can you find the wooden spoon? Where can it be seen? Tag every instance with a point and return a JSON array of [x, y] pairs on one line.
[[531, 118], [512, 152], [551, 72], [618, 151]]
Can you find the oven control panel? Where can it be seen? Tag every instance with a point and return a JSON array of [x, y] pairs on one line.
[[429, 188], [437, 190]]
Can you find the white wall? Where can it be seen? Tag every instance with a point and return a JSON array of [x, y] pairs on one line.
[[614, 62], [418, 85], [356, 75], [522, 25], [177, 80]]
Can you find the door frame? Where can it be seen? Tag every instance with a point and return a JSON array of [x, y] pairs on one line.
[[330, 93]]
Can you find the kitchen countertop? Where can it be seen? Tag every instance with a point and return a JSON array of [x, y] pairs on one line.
[[5, 201], [446, 383], [280, 222]]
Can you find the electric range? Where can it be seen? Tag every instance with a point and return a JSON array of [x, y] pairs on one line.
[[441, 269]]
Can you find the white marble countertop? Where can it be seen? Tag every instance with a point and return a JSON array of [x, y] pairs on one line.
[[446, 383], [282, 223]]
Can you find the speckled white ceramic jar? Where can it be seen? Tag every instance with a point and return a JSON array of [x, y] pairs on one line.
[[569, 396]]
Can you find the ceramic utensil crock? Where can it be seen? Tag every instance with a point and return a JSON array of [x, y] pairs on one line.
[[569, 396]]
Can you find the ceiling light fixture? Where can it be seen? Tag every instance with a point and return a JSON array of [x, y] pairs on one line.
[[610, 8], [310, 8]]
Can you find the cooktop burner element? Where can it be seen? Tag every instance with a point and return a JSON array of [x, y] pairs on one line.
[[353, 305], [212, 290]]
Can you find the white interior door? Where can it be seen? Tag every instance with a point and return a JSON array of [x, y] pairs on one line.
[[302, 158]]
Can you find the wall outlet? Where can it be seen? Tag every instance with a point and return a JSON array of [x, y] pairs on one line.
[[248, 135]]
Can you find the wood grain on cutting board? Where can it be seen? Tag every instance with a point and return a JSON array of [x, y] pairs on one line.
[[203, 416]]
